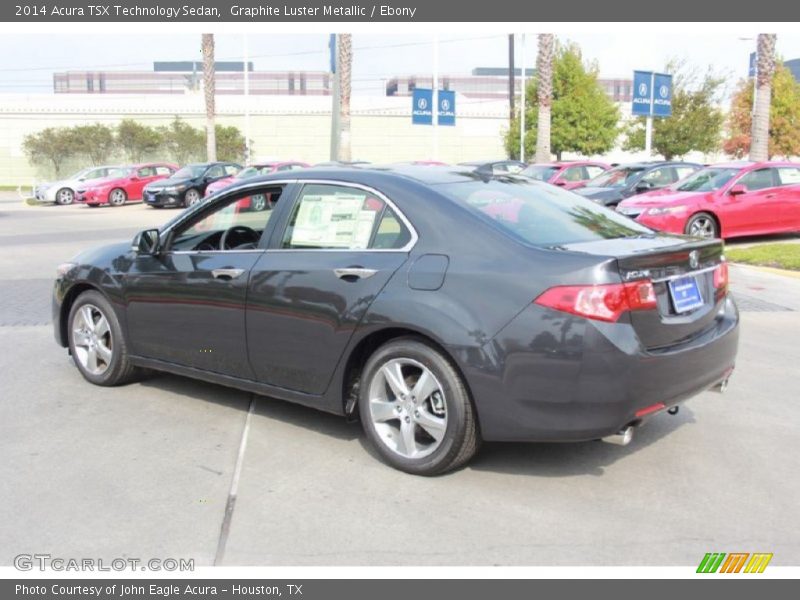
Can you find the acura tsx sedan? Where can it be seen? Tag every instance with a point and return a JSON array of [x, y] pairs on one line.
[[440, 306]]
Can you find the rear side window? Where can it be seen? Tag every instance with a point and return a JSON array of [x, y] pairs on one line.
[[789, 175], [540, 214], [332, 217]]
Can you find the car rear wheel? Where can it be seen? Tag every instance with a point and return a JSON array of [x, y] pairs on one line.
[[65, 196], [191, 197], [416, 410], [702, 225], [117, 197], [258, 202], [96, 343]]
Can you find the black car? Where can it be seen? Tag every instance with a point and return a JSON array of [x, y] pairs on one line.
[[439, 305], [623, 181], [187, 186], [496, 167]]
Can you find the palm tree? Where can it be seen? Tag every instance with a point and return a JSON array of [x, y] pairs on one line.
[[209, 88], [345, 66], [765, 61], [544, 75]]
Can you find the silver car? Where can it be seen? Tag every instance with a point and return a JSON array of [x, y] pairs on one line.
[[63, 191]]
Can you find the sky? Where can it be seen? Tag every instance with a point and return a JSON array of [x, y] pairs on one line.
[[27, 61]]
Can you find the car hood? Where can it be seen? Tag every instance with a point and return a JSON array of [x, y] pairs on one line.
[[70, 183], [163, 183], [600, 193], [661, 198], [219, 184]]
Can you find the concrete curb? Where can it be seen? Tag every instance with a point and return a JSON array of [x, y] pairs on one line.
[[774, 270]]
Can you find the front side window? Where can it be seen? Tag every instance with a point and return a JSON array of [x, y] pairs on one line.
[[235, 224], [145, 172], [593, 171], [161, 170], [540, 215], [189, 172], [659, 177], [215, 171], [758, 180], [332, 217], [539, 172], [618, 177], [574, 174], [231, 169], [707, 180]]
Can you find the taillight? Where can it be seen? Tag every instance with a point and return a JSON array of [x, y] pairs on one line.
[[721, 277], [601, 302]]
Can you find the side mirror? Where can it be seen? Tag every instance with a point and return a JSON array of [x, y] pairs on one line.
[[644, 186], [560, 183], [738, 189], [134, 178], [146, 242]]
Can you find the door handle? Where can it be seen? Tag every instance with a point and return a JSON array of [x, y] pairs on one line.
[[226, 274], [354, 273]]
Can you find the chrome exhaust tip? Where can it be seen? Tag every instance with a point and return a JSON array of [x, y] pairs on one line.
[[722, 386], [621, 438]]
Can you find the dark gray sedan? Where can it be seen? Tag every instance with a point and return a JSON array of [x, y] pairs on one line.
[[440, 305]]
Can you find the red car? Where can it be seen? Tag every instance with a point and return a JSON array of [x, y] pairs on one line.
[[570, 174], [726, 200], [128, 185], [258, 202]]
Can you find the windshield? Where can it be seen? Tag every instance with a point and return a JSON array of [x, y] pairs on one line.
[[189, 172], [707, 180], [541, 215], [539, 172], [617, 177]]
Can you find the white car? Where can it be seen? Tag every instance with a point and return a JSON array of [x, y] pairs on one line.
[[63, 192]]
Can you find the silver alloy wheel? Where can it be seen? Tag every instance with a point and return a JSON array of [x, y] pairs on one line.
[[408, 408], [192, 197], [258, 202], [703, 227], [117, 197], [91, 337], [65, 196]]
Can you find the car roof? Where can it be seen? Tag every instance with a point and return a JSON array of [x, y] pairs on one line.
[[375, 175], [656, 163], [741, 164]]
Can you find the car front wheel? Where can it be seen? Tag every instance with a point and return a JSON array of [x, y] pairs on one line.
[[117, 197], [65, 196], [191, 197], [96, 343], [416, 410], [702, 225]]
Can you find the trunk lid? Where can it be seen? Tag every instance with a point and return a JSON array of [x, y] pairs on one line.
[[677, 266]]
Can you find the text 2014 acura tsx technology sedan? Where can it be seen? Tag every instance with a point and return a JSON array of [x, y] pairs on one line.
[[440, 305]]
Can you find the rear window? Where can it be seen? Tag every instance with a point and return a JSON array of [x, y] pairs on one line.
[[539, 214]]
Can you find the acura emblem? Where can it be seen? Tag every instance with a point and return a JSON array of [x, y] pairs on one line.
[[694, 259]]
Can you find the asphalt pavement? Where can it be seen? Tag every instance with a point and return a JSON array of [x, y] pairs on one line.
[[147, 470]]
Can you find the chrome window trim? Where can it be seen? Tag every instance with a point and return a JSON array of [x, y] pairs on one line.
[[302, 182]]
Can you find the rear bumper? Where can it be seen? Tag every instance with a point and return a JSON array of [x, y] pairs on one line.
[[549, 376]]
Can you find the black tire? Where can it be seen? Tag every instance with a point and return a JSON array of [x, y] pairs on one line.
[[119, 369], [461, 438], [65, 196], [702, 224], [117, 197], [191, 197]]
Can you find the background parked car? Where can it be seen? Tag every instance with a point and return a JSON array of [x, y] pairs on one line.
[[63, 191], [624, 181], [258, 201], [188, 184], [725, 200], [496, 167], [570, 175], [117, 189]]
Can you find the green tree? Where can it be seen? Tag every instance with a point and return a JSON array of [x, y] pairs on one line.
[[51, 147], [230, 143], [96, 141], [696, 122], [784, 123], [583, 118], [137, 141], [183, 142]]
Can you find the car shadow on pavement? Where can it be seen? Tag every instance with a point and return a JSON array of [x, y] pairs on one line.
[[518, 458], [579, 458]]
